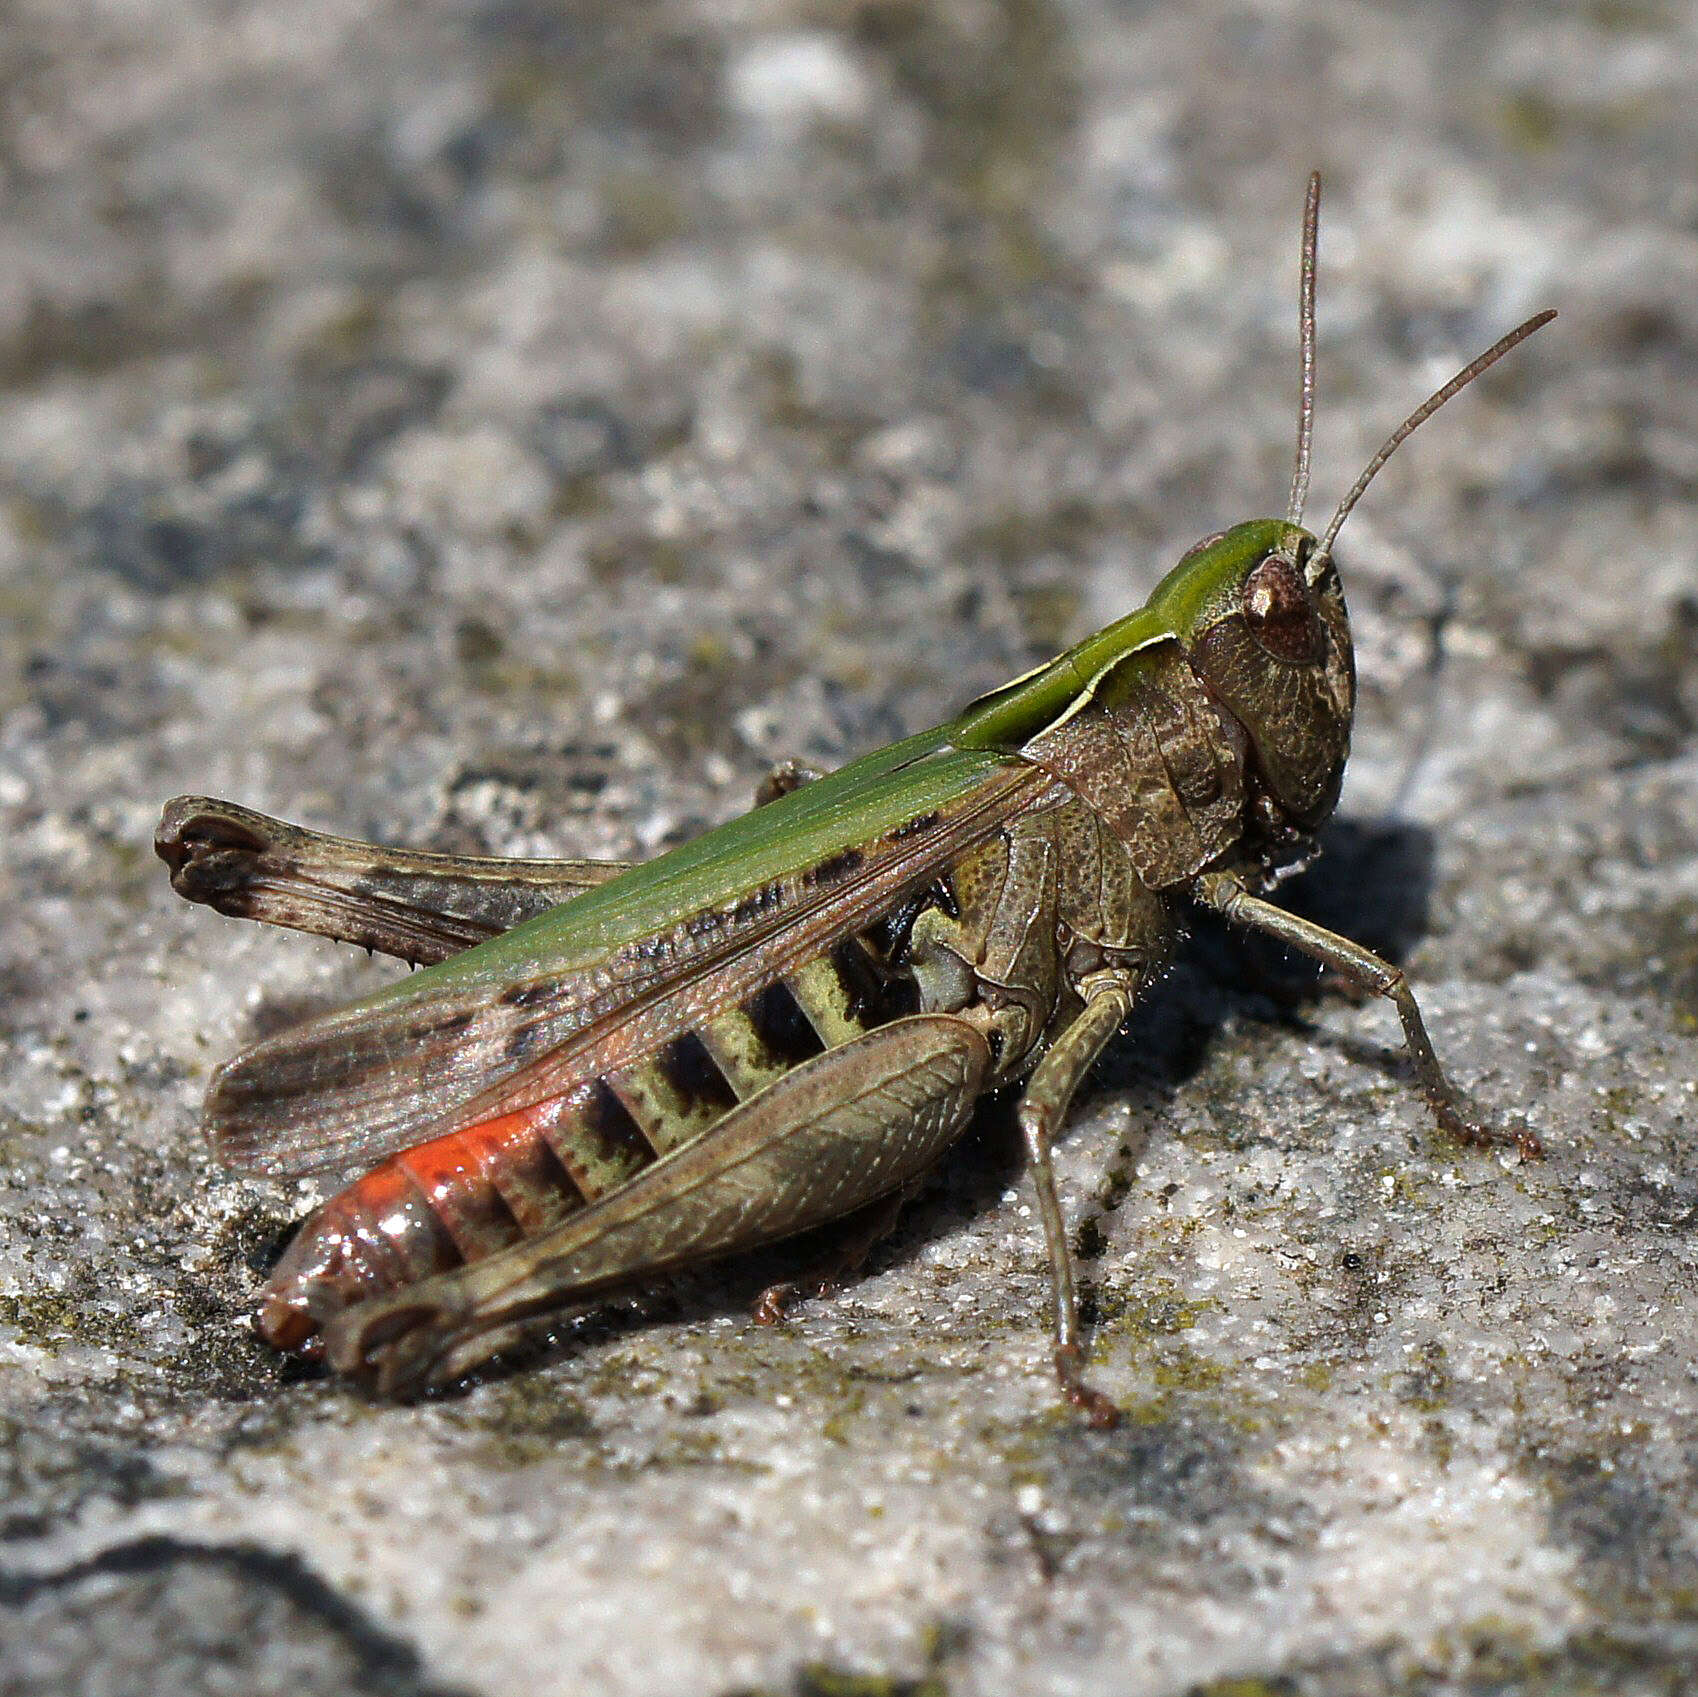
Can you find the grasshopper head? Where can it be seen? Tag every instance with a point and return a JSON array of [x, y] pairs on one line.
[[1260, 614]]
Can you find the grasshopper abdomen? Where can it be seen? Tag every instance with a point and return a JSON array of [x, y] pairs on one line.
[[471, 1193]]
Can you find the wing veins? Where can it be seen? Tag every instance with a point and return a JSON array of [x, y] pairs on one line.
[[286, 1107]]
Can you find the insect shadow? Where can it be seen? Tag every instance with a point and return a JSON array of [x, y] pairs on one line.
[[1373, 880]]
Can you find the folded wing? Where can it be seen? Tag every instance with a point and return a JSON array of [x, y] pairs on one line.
[[615, 972]]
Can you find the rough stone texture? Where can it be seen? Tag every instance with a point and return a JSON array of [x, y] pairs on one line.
[[508, 424]]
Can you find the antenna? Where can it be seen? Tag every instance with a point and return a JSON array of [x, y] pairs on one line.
[[1420, 416], [1423, 413], [1306, 348]]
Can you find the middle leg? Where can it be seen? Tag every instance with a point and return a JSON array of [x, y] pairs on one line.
[[1108, 1000], [853, 1239]]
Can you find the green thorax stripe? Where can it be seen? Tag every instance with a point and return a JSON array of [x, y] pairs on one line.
[[1011, 716]]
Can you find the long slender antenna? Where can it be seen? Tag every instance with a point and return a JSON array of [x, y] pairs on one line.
[[1420, 416], [1306, 348]]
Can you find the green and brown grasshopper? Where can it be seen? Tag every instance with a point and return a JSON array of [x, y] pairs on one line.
[[611, 1071]]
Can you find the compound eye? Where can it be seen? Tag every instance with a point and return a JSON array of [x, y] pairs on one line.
[[1280, 614]]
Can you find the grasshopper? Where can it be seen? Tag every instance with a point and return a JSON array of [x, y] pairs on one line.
[[608, 1071]]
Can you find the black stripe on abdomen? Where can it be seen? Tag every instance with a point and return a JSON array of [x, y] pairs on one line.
[[781, 1026], [608, 1130]]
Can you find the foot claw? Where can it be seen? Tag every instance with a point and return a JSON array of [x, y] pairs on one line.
[[1477, 1135], [1099, 1412], [774, 1303]]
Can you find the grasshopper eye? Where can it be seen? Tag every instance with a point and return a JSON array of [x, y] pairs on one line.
[[1280, 614]]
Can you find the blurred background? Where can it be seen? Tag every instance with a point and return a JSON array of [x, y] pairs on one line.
[[507, 426]]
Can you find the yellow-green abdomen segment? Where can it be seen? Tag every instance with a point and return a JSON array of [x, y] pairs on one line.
[[458, 1198]]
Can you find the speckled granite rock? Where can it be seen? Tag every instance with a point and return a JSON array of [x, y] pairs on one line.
[[508, 425]]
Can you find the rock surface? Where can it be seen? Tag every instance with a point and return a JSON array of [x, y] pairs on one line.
[[508, 426]]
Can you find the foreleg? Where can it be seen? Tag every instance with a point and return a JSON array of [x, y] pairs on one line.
[[1222, 891]]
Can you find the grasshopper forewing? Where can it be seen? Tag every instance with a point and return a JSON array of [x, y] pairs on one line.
[[607, 1071], [612, 974]]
